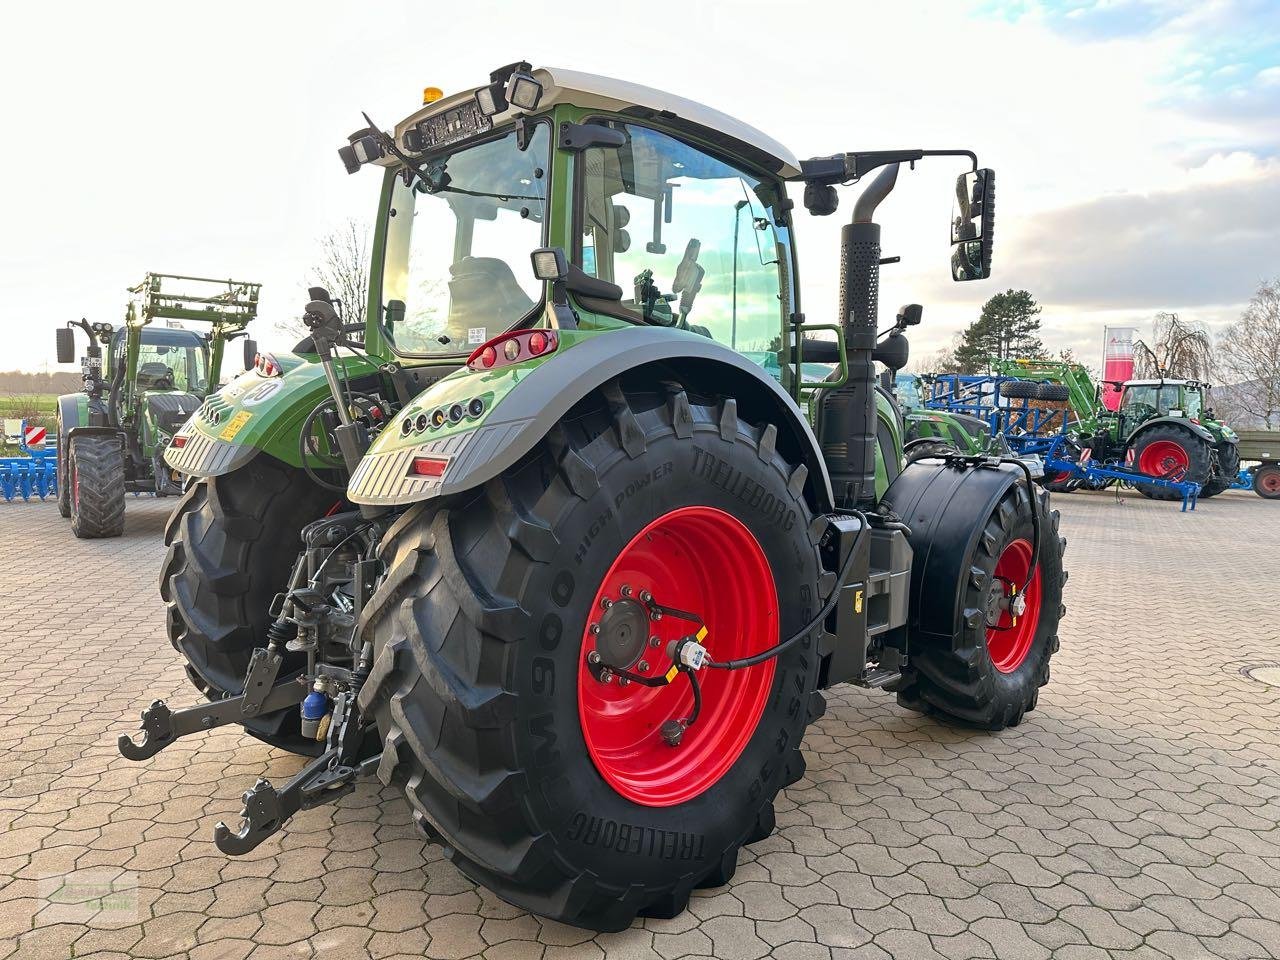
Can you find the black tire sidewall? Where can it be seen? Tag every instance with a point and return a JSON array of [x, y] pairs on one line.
[[1013, 689], [592, 823]]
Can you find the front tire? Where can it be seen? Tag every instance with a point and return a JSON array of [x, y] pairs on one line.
[[232, 542], [989, 673], [542, 783], [95, 471], [1227, 471], [64, 487]]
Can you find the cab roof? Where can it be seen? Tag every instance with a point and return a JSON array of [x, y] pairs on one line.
[[621, 96]]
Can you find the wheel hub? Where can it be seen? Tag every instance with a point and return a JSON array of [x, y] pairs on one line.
[[623, 635]]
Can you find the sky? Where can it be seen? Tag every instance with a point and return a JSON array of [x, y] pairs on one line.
[[1136, 143]]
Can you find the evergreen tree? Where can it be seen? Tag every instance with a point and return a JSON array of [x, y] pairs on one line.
[[1006, 328]]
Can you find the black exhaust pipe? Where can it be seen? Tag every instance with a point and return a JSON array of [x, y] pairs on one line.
[[848, 428]]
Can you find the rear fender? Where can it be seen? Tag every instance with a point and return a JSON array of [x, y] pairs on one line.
[[946, 506], [527, 400]]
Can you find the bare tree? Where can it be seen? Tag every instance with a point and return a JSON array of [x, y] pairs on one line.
[[1249, 352], [1178, 350], [343, 270]]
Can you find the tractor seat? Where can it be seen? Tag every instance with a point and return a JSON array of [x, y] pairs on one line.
[[155, 376], [483, 292]]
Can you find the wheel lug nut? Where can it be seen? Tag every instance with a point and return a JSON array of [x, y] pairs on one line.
[[593, 657], [606, 675], [646, 596], [643, 665], [626, 589], [595, 629], [606, 603], [624, 682], [656, 615], [655, 643]]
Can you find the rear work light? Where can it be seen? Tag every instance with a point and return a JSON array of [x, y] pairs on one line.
[[428, 466], [513, 347], [264, 364]]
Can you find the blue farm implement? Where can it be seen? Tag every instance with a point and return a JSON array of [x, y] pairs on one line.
[[1035, 419], [34, 474]]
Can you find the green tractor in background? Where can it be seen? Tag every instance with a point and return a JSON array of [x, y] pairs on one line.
[[940, 433], [1168, 429], [1162, 427], [569, 552], [112, 436]]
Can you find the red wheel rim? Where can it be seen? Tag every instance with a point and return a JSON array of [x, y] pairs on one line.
[[705, 561], [1164, 458], [1061, 477], [1270, 481], [1009, 642]]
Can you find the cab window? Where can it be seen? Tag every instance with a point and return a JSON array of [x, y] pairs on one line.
[[693, 241]]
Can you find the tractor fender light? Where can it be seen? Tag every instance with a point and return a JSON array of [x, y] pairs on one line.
[[513, 347], [428, 466], [456, 413], [265, 365], [475, 407], [421, 423]]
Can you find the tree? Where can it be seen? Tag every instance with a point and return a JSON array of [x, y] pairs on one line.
[[343, 270], [1249, 355], [1005, 329], [1178, 350]]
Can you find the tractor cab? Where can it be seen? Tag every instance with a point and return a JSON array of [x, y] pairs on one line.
[[1143, 399]]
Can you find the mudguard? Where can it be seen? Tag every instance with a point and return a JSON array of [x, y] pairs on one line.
[[520, 410], [1195, 428], [946, 508]]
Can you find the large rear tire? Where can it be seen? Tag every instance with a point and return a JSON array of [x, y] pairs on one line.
[[1227, 470], [542, 783], [232, 543], [95, 475], [989, 672], [1173, 453]]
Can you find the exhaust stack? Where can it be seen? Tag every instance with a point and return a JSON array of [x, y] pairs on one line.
[[847, 430]]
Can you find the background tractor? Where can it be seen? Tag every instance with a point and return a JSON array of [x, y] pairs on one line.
[[112, 436], [1163, 428], [570, 552]]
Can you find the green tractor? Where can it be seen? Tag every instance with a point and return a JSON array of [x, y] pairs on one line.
[[942, 433], [543, 533], [1168, 429], [1162, 427], [112, 436]]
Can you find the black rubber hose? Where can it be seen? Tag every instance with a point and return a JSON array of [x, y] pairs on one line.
[[830, 605]]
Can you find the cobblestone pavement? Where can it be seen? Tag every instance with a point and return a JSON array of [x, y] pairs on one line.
[[1134, 813]]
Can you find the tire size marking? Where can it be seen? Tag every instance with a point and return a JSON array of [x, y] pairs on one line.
[[733, 482], [634, 840]]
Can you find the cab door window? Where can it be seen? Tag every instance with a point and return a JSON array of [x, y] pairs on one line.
[[694, 242]]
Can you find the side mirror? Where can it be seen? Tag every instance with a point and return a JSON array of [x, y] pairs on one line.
[[250, 352], [972, 225], [395, 312], [66, 344]]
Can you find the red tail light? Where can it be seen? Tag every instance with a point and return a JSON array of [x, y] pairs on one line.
[[428, 466], [513, 347], [179, 442], [265, 365]]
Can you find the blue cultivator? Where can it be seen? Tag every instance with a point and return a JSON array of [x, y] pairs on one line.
[[35, 474], [1044, 431]]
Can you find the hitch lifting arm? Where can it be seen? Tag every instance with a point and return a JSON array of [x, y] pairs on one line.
[[162, 726]]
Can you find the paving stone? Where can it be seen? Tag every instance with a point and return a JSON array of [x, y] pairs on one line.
[[1133, 813]]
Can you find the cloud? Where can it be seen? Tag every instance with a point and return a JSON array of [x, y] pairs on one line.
[[1208, 244]]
